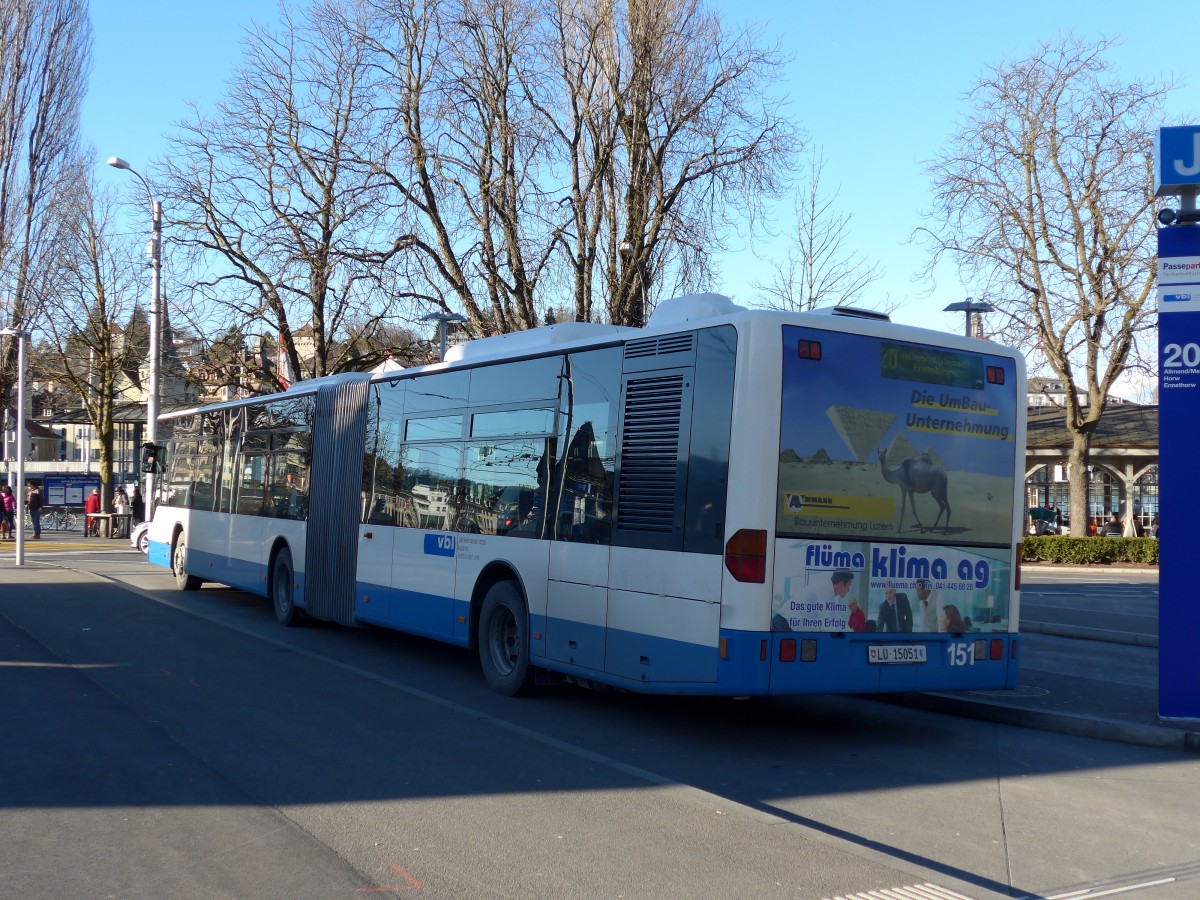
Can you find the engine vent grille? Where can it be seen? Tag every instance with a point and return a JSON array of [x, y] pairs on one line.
[[671, 343], [650, 453]]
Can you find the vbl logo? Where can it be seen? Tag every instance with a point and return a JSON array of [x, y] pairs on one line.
[[439, 544]]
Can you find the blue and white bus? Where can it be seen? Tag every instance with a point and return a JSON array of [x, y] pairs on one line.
[[730, 502]]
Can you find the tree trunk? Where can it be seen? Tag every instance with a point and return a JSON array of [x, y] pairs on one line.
[[1077, 472]]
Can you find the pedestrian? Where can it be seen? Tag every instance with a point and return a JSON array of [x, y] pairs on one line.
[[33, 503], [8, 515], [1113, 527], [137, 505], [91, 526]]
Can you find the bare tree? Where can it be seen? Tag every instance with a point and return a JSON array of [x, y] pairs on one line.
[[529, 131], [282, 227], [700, 136], [90, 320], [1045, 200], [45, 52], [462, 151], [819, 269]]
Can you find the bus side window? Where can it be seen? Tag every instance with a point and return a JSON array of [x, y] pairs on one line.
[[504, 489], [585, 507], [583, 476], [430, 490]]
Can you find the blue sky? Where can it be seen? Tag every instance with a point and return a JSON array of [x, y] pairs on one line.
[[876, 85]]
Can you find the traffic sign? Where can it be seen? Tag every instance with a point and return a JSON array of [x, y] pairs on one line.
[[1177, 160]]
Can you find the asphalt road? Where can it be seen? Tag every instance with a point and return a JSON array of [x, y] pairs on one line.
[[1122, 607], [167, 744]]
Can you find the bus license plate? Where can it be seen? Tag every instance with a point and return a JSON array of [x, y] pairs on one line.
[[895, 654]]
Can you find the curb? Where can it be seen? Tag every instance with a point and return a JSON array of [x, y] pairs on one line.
[[1029, 568], [1161, 737], [1083, 632]]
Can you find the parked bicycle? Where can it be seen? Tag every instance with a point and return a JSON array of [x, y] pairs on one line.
[[55, 520]]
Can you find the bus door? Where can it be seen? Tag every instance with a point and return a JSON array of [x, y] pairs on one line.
[[581, 528], [373, 581], [246, 567], [423, 553], [577, 591]]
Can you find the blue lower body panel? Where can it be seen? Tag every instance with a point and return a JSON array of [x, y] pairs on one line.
[[158, 554]]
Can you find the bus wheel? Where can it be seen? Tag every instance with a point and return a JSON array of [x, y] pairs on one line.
[[504, 640], [283, 585], [183, 580]]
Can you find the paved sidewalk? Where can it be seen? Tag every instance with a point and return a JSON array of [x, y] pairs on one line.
[[1097, 680]]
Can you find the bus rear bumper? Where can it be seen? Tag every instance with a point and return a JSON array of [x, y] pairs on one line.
[[841, 664]]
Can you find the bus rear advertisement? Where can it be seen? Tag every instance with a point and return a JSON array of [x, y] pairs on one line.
[[730, 502]]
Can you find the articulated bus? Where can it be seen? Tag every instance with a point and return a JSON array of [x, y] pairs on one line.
[[730, 502]]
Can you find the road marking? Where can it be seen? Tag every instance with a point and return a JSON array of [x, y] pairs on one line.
[[910, 892], [47, 665], [413, 884], [1088, 895]]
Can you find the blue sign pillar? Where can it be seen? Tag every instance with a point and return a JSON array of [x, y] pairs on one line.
[[1177, 172]]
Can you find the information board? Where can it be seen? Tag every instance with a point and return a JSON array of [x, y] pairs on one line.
[[1178, 411], [68, 490]]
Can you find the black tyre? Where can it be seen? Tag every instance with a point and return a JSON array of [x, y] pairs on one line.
[[283, 588], [183, 580], [504, 640]]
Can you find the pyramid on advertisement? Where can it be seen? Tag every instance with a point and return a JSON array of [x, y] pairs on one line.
[[820, 457], [861, 429], [937, 460], [901, 448]]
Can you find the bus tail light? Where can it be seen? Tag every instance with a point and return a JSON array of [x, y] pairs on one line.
[[787, 650], [746, 555], [995, 375], [981, 650], [997, 648]]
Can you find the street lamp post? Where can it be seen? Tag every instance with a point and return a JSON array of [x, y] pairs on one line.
[[442, 318], [22, 338], [154, 389], [970, 307]]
